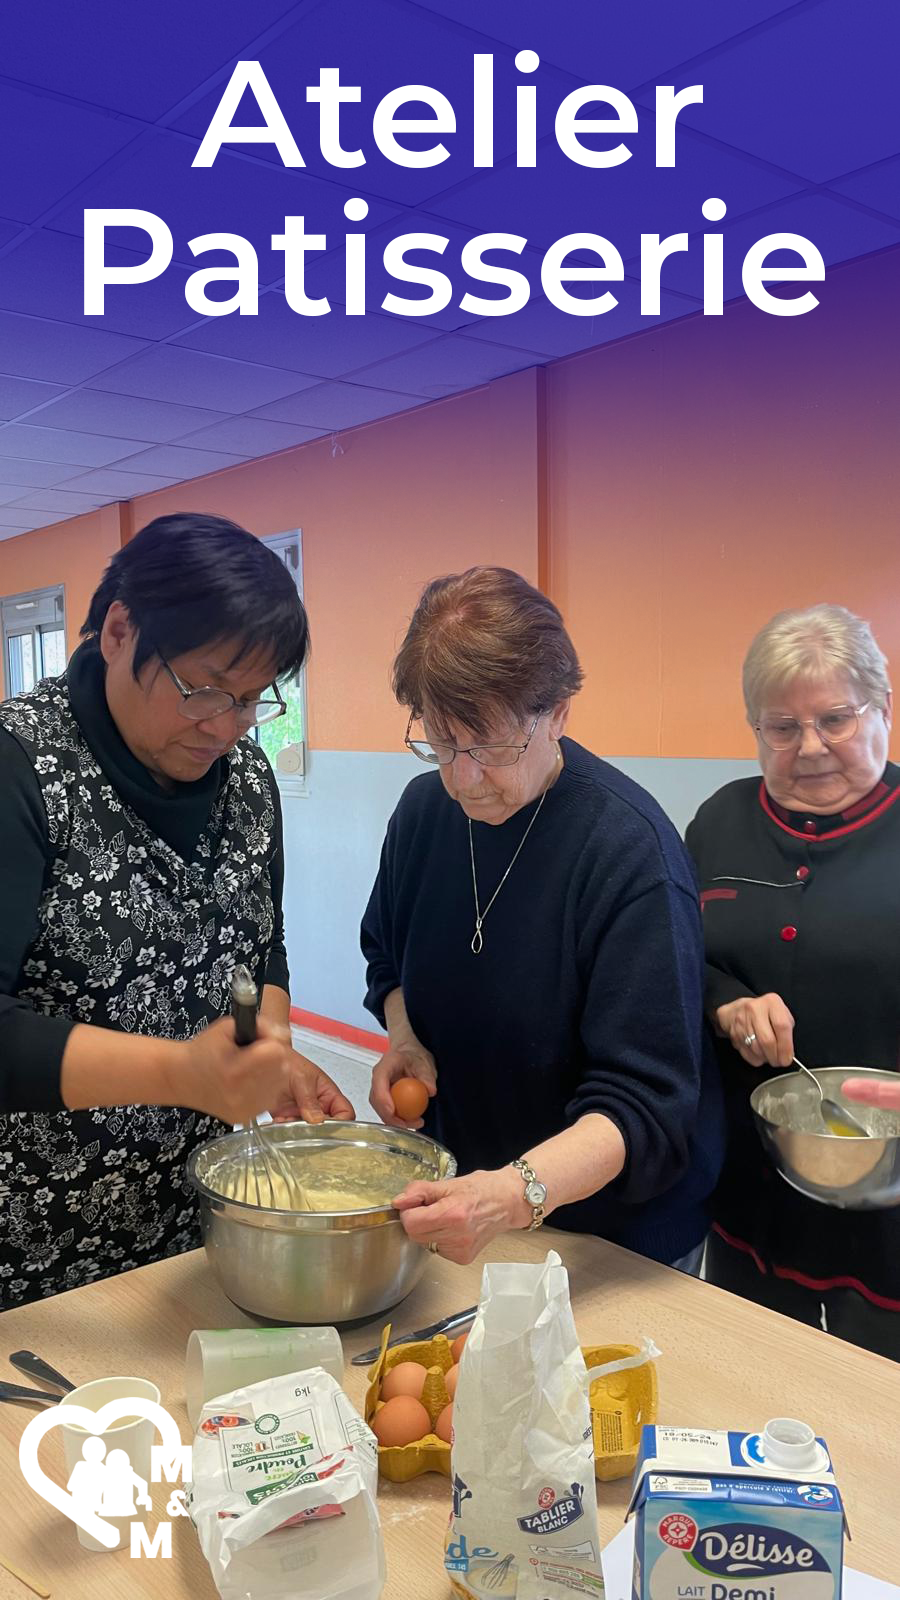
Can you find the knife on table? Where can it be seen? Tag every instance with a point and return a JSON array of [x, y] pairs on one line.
[[446, 1325]]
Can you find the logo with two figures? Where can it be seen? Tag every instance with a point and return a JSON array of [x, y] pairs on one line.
[[103, 1482]]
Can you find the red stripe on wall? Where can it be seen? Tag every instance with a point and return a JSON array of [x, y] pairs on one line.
[[339, 1030]]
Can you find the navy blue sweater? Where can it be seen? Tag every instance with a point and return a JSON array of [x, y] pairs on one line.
[[587, 995]]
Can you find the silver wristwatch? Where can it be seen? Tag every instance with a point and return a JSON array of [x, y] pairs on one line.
[[535, 1192]]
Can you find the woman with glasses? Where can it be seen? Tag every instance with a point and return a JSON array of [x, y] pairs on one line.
[[142, 860], [800, 883], [534, 950]]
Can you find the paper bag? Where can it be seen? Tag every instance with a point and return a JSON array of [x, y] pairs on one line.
[[283, 1493], [524, 1520]]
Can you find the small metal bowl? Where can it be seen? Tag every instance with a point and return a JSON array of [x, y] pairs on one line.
[[305, 1267], [854, 1174]]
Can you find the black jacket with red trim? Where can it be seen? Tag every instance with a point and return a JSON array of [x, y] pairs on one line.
[[806, 907]]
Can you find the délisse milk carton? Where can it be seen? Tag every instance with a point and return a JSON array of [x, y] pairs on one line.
[[736, 1516]]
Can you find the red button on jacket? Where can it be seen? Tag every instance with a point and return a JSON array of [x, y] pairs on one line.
[[788, 934], [803, 872]]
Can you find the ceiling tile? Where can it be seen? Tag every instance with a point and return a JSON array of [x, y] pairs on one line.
[[878, 187], [838, 231], [22, 440], [624, 46], [57, 352], [153, 421], [326, 346], [114, 485], [47, 146], [8, 231], [331, 406], [45, 276], [174, 461], [559, 197], [62, 501], [20, 394], [817, 96], [142, 63], [193, 378], [251, 436], [542, 327], [445, 366], [251, 197], [35, 474]]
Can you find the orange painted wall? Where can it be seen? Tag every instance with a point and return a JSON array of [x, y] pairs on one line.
[[72, 553], [705, 476]]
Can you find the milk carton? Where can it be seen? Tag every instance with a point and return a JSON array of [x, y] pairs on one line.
[[736, 1516]]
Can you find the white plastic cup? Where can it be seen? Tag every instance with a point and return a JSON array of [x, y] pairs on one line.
[[134, 1437], [221, 1359]]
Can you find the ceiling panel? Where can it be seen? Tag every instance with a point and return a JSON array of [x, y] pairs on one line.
[[153, 421], [93, 55], [14, 521], [62, 501], [445, 366], [324, 346], [44, 276], [251, 436], [338, 405], [175, 461], [112, 484], [878, 187], [820, 98], [57, 352], [23, 439], [250, 196], [35, 474], [622, 45], [193, 378], [46, 145], [549, 332], [21, 394]]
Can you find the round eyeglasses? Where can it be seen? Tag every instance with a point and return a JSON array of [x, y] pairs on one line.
[[833, 727], [201, 705], [486, 755]]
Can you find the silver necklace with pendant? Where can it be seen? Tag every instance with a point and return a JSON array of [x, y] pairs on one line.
[[477, 941]]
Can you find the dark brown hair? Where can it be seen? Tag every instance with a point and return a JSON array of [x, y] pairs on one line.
[[482, 644]]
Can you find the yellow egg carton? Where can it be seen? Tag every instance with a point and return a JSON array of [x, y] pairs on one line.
[[621, 1403], [400, 1463]]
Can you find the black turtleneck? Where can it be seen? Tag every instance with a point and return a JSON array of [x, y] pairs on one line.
[[30, 1043]]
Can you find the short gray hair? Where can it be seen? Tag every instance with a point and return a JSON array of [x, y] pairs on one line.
[[811, 644]]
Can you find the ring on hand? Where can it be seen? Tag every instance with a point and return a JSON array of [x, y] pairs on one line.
[[433, 1248], [749, 1039]]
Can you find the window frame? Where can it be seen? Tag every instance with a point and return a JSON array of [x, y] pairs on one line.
[[47, 608], [292, 784]]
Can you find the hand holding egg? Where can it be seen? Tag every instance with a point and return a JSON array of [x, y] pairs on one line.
[[402, 1083]]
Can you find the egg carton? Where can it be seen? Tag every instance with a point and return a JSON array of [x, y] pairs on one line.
[[621, 1403], [400, 1463]]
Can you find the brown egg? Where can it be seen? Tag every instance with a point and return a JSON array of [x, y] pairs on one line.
[[456, 1349], [444, 1425], [450, 1379], [407, 1377], [400, 1421], [410, 1098]]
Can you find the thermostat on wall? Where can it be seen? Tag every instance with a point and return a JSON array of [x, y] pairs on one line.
[[290, 760]]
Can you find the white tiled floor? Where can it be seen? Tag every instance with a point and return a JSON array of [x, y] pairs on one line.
[[350, 1067]]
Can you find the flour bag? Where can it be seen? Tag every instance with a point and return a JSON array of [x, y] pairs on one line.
[[524, 1519]]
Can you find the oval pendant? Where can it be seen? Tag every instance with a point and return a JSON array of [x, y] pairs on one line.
[[477, 939]]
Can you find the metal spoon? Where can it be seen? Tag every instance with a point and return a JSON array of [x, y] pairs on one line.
[[19, 1392], [837, 1118], [34, 1367]]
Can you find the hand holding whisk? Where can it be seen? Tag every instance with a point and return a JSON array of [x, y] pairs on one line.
[[269, 1179]]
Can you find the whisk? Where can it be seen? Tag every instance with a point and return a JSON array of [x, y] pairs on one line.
[[266, 1168], [494, 1577]]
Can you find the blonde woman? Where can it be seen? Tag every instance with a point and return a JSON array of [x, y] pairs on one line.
[[800, 885]]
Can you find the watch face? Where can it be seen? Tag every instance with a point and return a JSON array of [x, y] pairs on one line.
[[536, 1193]]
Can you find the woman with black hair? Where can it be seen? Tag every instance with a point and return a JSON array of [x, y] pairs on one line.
[[142, 860]]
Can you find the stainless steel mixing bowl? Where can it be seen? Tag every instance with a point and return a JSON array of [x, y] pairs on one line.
[[852, 1173], [307, 1267]]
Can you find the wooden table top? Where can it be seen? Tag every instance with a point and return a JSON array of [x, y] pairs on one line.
[[724, 1363]]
